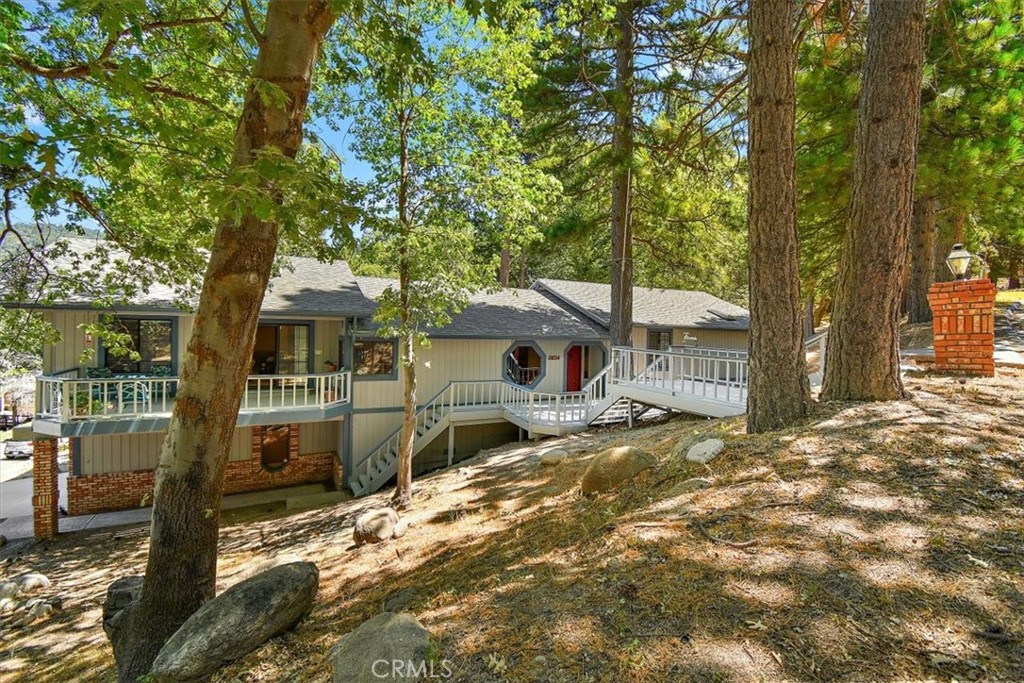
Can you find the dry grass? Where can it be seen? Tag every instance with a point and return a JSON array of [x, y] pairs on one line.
[[888, 543]]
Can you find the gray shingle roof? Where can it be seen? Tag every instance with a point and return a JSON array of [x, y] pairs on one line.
[[651, 307], [506, 314], [304, 286]]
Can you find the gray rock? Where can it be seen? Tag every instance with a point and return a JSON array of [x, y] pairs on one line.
[[690, 485], [614, 467], [387, 638], [400, 600], [553, 456], [3, 540], [683, 446], [121, 593], [705, 451], [9, 589], [238, 621], [376, 526], [8, 605], [32, 581]]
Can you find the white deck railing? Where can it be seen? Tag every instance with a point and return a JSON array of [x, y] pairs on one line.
[[67, 400], [709, 374]]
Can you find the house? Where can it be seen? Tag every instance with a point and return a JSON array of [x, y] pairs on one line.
[[324, 401]]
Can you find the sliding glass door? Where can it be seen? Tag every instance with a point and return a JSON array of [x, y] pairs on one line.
[[281, 349]]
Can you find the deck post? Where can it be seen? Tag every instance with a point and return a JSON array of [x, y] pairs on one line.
[[451, 443], [629, 405]]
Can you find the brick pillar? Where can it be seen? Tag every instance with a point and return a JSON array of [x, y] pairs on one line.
[[964, 325], [44, 487]]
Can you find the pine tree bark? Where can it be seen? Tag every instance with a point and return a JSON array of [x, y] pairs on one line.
[[922, 260], [621, 318], [863, 347], [505, 264], [181, 570], [778, 388], [402, 498]]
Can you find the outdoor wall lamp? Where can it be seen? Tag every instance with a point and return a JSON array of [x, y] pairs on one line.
[[959, 260]]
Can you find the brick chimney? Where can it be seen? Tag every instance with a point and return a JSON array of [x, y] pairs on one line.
[[963, 326]]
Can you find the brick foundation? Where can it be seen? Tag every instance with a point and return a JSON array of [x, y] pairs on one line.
[[91, 494], [44, 488], [964, 326]]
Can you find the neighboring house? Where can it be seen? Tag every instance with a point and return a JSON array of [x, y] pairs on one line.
[[324, 401]]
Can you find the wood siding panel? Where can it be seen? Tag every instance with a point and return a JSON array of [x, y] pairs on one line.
[[318, 437]]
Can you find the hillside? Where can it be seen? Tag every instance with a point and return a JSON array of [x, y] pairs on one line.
[[875, 542]]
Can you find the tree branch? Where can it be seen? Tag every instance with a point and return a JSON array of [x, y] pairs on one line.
[[250, 24]]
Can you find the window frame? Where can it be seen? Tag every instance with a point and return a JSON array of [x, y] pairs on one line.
[[288, 447], [386, 377], [540, 353], [659, 331], [104, 357]]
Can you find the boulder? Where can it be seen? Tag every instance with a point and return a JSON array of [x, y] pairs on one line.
[[614, 467], [9, 589], [705, 451], [238, 621], [121, 593], [32, 581], [682, 446], [377, 526], [553, 456], [385, 639]]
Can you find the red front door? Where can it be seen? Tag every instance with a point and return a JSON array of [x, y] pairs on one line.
[[574, 369]]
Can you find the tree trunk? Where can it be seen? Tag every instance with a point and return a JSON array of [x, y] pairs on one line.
[[621, 319], [402, 498], [506, 264], [181, 570], [863, 346], [778, 386], [922, 261], [522, 268]]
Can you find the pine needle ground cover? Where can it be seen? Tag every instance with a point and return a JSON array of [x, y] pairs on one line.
[[873, 542]]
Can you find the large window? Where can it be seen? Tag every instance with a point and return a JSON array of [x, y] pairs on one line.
[[659, 340], [374, 358], [524, 364], [152, 339], [281, 349]]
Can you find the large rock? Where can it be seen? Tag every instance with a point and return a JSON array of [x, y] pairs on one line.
[[553, 456], [367, 654], [238, 621], [120, 594], [377, 526], [682, 446], [614, 467], [705, 451]]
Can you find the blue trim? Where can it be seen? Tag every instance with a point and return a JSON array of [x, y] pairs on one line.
[[346, 455], [376, 378], [76, 457], [540, 353]]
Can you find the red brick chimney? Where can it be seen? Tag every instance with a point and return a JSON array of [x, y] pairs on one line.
[[964, 325]]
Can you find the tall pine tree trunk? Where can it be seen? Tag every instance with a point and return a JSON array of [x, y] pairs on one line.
[[922, 260], [778, 385], [863, 346], [181, 570], [505, 264], [402, 498], [621, 320]]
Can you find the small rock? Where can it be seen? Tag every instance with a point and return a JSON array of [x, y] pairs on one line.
[[121, 593], [8, 605], [540, 660], [615, 466], [400, 528], [465, 471], [705, 451], [33, 581], [387, 638], [553, 456], [238, 621], [56, 602], [9, 589], [376, 526], [400, 600], [683, 446], [689, 486]]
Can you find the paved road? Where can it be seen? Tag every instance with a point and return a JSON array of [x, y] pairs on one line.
[[16, 496]]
